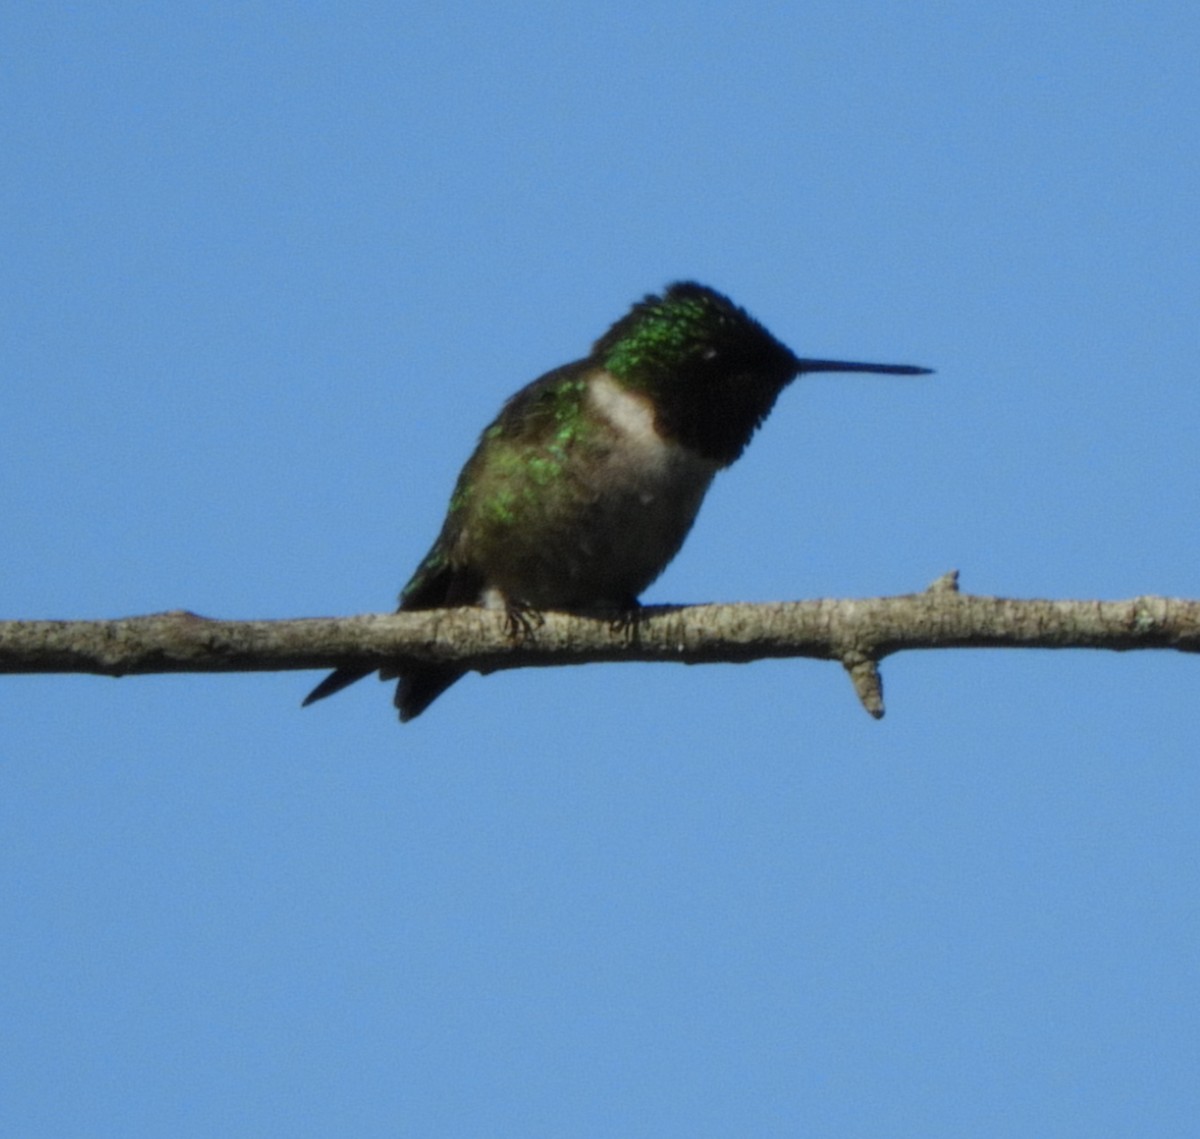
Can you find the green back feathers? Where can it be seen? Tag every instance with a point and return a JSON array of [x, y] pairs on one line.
[[548, 410]]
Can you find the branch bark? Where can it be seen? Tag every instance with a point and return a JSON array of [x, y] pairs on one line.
[[856, 633]]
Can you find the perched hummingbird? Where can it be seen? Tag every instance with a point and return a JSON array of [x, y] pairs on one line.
[[588, 481]]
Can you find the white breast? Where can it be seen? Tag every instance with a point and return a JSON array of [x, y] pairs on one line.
[[629, 414], [630, 499], [663, 475]]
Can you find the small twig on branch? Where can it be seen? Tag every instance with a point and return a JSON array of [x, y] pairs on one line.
[[857, 633]]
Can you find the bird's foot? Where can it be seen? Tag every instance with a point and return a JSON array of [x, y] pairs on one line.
[[627, 620], [520, 620]]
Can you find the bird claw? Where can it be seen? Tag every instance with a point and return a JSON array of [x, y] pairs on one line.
[[627, 621], [521, 620]]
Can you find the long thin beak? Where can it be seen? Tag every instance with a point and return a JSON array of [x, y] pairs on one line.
[[848, 366]]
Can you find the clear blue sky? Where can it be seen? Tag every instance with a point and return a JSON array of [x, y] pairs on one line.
[[268, 269]]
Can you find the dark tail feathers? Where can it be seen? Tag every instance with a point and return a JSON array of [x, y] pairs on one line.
[[417, 690], [335, 682], [414, 692]]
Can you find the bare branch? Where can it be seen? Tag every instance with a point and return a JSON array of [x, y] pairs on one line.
[[857, 633]]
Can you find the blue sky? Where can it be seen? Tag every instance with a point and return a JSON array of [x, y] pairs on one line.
[[269, 269]]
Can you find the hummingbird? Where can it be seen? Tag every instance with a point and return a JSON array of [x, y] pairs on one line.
[[584, 487]]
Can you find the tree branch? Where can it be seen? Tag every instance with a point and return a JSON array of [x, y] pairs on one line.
[[857, 633]]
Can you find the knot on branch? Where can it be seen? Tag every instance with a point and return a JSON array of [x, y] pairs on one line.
[[867, 681]]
